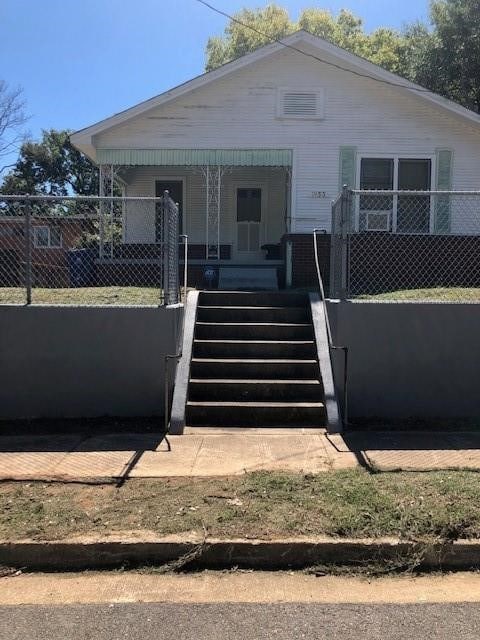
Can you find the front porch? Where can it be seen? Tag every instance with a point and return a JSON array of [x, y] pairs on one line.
[[234, 206]]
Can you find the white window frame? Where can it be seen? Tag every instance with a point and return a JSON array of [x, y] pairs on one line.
[[318, 91], [393, 212], [49, 245]]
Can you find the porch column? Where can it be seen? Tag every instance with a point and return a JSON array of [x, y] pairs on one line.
[[213, 194], [106, 190]]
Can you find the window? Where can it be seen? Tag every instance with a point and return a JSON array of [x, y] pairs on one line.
[[47, 237], [11, 232], [413, 212], [306, 104], [403, 214]]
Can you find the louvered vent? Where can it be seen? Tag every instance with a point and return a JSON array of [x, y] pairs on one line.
[[300, 104]]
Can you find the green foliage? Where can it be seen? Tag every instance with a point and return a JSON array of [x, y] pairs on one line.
[[346, 30], [444, 56], [111, 232], [273, 21], [51, 167], [449, 55]]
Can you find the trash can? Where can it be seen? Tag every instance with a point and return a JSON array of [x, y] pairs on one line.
[[210, 277], [81, 267]]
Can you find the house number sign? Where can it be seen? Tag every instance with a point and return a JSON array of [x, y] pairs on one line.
[[319, 194]]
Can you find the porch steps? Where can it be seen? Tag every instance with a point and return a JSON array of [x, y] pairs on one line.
[[247, 278], [254, 362]]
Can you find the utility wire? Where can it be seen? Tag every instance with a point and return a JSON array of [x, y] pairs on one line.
[[309, 55]]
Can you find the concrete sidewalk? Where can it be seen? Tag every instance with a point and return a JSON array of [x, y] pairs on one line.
[[114, 456]]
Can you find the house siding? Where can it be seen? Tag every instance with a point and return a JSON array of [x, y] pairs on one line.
[[139, 221], [238, 111]]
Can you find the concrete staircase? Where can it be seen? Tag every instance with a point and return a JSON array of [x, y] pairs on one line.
[[254, 362]]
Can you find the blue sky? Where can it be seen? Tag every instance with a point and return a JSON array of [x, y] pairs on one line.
[[79, 61]]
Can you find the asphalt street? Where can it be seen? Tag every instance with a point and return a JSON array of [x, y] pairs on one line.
[[240, 622]]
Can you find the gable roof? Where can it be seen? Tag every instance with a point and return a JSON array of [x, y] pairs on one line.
[[353, 63]]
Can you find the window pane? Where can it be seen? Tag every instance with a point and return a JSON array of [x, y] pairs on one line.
[[55, 237], [414, 175], [40, 236], [413, 214], [376, 173], [249, 205]]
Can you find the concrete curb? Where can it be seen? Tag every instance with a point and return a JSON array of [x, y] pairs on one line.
[[224, 553]]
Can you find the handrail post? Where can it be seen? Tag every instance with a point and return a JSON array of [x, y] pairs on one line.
[[185, 264]]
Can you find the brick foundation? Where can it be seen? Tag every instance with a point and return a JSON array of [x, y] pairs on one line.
[[303, 259], [387, 262]]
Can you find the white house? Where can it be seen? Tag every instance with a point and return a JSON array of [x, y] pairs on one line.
[[255, 151]]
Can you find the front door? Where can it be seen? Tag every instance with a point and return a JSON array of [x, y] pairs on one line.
[[249, 224], [175, 190]]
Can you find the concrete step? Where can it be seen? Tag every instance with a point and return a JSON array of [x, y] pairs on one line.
[[253, 331], [254, 349], [257, 368], [255, 390], [258, 414], [252, 314], [252, 299]]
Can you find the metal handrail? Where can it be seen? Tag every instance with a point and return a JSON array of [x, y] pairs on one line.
[[331, 346], [175, 356]]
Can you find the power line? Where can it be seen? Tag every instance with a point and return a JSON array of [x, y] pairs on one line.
[[309, 55]]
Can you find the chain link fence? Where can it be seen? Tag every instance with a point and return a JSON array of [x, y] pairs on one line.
[[89, 250], [396, 243]]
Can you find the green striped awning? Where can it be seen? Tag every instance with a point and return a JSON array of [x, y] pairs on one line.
[[196, 157]]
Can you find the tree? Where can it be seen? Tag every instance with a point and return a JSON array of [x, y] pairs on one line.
[[446, 58], [383, 46], [443, 56], [51, 167], [273, 21], [12, 119]]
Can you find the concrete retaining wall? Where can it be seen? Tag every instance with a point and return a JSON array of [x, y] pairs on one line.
[[84, 361], [409, 359]]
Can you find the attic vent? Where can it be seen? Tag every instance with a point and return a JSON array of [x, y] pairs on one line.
[[300, 104]]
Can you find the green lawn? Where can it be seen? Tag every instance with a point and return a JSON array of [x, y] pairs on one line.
[[442, 294], [84, 295], [151, 295]]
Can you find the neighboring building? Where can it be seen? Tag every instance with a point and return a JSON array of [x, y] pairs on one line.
[[255, 151], [51, 239]]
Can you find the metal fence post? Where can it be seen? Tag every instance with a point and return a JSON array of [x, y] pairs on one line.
[[28, 250], [164, 245], [344, 228]]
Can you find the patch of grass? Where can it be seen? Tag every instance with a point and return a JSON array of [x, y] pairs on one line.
[[413, 506], [84, 295], [442, 294]]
